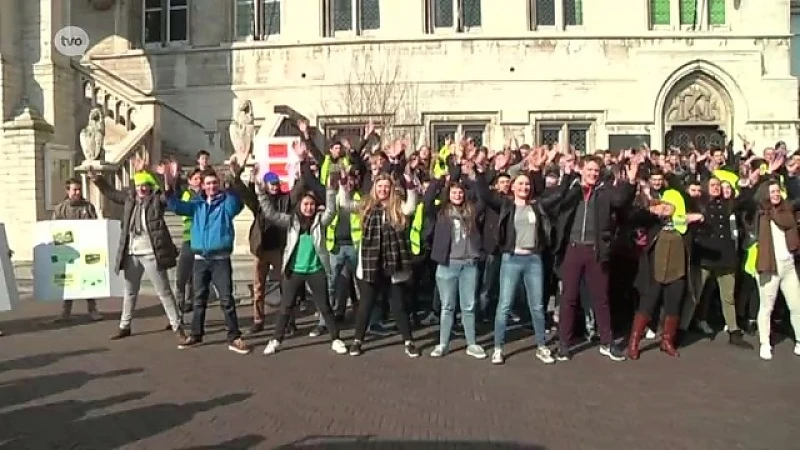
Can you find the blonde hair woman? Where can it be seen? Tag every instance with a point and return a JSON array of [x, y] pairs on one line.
[[384, 255]]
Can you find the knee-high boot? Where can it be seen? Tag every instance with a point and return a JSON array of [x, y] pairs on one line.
[[640, 322], [668, 335]]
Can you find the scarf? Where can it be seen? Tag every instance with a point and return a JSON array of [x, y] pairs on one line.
[[783, 217], [137, 217], [384, 250]]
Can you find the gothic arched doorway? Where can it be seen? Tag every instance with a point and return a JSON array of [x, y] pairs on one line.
[[697, 111]]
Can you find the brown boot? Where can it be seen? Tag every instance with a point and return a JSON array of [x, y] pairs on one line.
[[668, 336], [640, 322]]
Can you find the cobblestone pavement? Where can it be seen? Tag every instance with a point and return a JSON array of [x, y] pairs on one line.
[[72, 388]]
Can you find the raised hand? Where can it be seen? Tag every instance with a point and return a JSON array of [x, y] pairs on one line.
[[234, 165], [302, 125]]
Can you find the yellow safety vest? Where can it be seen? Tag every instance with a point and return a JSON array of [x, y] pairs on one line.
[[750, 260], [675, 199], [439, 166], [324, 171], [415, 236], [355, 227]]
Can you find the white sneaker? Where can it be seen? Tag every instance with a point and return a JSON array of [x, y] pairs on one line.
[[497, 357], [796, 347], [272, 347], [438, 351], [339, 347], [650, 334], [476, 351], [544, 355], [765, 352]]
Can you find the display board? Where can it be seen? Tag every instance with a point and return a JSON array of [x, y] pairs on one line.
[[9, 294], [74, 260], [277, 155]]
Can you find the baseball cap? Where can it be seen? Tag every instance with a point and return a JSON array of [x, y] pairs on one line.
[[272, 178]]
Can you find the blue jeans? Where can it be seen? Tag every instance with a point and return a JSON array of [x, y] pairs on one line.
[[346, 256], [457, 282], [489, 285], [512, 268]]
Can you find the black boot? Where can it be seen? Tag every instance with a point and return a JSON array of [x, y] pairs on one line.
[[736, 338]]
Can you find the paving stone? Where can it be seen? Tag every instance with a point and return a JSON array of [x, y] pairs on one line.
[[71, 388]]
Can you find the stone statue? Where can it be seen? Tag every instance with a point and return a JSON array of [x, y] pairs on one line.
[[242, 130], [92, 135], [696, 103]]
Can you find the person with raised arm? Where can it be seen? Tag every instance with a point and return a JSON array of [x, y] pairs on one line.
[[212, 237], [145, 245], [306, 261]]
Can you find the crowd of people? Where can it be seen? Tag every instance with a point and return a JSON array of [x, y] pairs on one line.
[[639, 243]]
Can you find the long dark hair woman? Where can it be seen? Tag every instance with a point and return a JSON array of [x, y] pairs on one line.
[[778, 244], [456, 250], [305, 259]]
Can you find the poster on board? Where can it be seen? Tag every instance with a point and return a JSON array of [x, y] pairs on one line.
[[276, 154], [9, 294], [74, 260]]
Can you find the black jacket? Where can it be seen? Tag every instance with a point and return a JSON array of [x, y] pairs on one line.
[[154, 206], [442, 233], [608, 199], [545, 208], [263, 236]]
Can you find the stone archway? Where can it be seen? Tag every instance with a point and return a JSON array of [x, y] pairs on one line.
[[697, 110]]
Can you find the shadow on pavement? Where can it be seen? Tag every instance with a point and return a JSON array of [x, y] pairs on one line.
[[241, 443], [24, 390], [63, 425], [44, 359], [80, 318], [374, 443]]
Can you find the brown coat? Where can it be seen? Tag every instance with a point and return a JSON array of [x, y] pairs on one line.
[[783, 217], [74, 210]]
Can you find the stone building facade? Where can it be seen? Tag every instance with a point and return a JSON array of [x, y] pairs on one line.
[[169, 75]]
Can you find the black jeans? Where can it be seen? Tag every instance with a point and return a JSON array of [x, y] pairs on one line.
[[218, 272], [370, 293], [183, 275], [673, 298], [295, 283]]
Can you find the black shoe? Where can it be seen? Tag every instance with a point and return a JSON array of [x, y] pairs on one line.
[[355, 348], [612, 352], [562, 355], [318, 331], [291, 330], [379, 330], [411, 350], [736, 338], [256, 327], [751, 328]]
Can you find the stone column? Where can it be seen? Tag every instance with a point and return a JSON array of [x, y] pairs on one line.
[[22, 158]]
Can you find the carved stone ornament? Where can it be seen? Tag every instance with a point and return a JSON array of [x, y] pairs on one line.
[[93, 134], [242, 130], [102, 5], [695, 103]]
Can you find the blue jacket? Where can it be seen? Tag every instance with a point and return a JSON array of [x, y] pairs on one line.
[[212, 223]]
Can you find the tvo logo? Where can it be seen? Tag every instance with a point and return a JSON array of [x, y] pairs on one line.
[[71, 41]]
